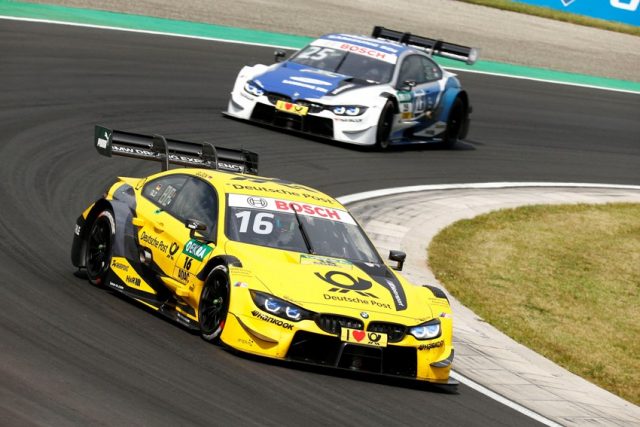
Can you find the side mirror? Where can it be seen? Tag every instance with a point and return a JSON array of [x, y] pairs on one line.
[[399, 257], [407, 85], [279, 55], [196, 227]]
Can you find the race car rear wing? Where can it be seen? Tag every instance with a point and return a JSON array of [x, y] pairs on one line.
[[160, 149], [431, 46]]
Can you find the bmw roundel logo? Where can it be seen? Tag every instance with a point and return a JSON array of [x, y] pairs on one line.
[[364, 315], [257, 202]]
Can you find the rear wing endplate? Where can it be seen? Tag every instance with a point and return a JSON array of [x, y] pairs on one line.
[[431, 46], [110, 142]]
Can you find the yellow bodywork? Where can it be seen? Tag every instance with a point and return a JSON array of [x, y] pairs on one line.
[[316, 283]]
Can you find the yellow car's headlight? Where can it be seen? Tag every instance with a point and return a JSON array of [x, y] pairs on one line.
[[427, 331], [279, 307]]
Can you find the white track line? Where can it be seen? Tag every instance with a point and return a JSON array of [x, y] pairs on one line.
[[489, 73]]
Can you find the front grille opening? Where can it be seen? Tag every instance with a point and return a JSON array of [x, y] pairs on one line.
[[314, 125], [360, 358], [333, 324], [394, 331], [313, 348]]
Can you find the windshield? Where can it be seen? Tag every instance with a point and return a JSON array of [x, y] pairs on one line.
[[360, 66], [272, 222]]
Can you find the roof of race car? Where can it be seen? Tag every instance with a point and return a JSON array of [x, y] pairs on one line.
[[252, 185], [367, 45]]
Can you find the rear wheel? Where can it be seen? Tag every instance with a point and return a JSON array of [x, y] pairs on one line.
[[99, 247], [214, 304], [454, 123], [385, 124]]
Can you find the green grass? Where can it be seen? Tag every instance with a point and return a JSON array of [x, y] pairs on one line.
[[562, 280], [558, 15]]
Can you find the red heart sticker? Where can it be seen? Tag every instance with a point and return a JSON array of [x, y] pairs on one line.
[[288, 106], [358, 335]]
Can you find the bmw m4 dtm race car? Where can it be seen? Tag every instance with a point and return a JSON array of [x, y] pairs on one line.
[[265, 266], [380, 90]]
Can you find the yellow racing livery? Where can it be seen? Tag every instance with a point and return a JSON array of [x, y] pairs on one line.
[[262, 265]]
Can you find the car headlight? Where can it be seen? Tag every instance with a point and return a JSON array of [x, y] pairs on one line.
[[348, 110], [253, 88], [279, 307], [427, 331]]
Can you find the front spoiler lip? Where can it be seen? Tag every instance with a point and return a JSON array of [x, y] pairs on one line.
[[448, 383]]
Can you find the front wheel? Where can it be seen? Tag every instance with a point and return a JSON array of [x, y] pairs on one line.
[[214, 304], [99, 247], [385, 123]]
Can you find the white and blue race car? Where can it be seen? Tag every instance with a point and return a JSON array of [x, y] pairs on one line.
[[381, 90]]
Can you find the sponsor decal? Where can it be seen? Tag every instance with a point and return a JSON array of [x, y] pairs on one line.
[[357, 285], [182, 318], [119, 265], [289, 107], [196, 249], [357, 300], [308, 86], [115, 285], [135, 281], [247, 342], [306, 259], [183, 275], [102, 142], [384, 277], [431, 345], [278, 205], [399, 299], [404, 96], [446, 315], [257, 202], [155, 242], [173, 249], [240, 285], [311, 81], [355, 46], [357, 336], [140, 152], [348, 119], [203, 175], [273, 320]]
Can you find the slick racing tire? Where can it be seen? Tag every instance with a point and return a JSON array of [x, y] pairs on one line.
[[385, 124], [99, 247], [454, 123], [214, 304]]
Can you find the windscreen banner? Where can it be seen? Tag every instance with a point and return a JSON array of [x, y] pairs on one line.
[[624, 11]]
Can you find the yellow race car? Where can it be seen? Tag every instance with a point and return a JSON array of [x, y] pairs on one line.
[[261, 265]]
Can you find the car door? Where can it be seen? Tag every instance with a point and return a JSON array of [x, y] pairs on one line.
[[161, 232], [196, 200], [424, 76]]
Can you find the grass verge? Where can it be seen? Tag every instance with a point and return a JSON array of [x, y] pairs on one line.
[[562, 280], [558, 15]]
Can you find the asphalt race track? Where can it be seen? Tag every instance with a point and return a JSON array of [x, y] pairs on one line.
[[71, 353]]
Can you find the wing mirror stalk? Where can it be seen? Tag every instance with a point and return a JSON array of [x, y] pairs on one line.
[[196, 227]]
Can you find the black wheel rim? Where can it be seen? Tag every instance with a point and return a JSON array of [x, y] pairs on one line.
[[99, 248], [213, 306]]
